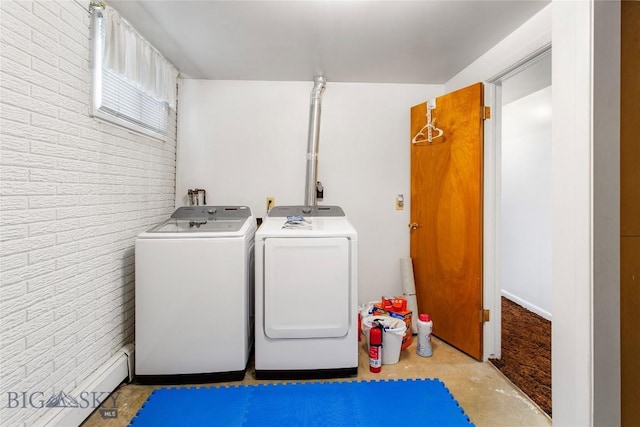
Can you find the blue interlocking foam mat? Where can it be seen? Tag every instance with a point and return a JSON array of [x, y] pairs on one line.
[[420, 402]]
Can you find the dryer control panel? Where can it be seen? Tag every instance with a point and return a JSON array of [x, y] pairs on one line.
[[316, 211]]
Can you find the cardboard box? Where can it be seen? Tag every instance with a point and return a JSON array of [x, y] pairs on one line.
[[382, 309]]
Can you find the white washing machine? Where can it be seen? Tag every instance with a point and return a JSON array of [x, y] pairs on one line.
[[306, 295], [194, 296]]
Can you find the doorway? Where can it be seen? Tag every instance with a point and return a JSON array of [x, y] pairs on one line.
[[520, 235], [526, 187]]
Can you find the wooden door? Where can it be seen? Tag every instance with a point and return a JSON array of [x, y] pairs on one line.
[[446, 213]]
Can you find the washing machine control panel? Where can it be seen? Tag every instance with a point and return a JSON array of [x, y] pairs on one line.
[[212, 213]]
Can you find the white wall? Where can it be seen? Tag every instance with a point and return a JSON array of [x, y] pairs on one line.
[[534, 35], [586, 213], [526, 201], [245, 140], [74, 194]]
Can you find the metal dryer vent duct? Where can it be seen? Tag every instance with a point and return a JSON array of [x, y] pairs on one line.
[[312, 144]]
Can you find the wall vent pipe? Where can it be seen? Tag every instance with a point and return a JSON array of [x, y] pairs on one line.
[[312, 143]]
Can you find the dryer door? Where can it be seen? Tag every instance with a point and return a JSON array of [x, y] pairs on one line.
[[306, 287]]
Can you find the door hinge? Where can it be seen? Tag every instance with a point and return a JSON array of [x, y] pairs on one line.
[[485, 314], [485, 112]]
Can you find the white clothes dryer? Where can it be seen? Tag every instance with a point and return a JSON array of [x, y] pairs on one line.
[[306, 295], [194, 296]]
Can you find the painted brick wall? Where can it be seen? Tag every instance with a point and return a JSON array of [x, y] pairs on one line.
[[74, 194]]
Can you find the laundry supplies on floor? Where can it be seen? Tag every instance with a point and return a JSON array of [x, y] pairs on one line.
[[397, 308]]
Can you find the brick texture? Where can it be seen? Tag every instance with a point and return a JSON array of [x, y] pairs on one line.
[[74, 193]]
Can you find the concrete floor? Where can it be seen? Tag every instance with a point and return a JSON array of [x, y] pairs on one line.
[[488, 398]]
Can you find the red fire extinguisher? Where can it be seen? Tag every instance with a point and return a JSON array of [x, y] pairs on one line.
[[375, 350]]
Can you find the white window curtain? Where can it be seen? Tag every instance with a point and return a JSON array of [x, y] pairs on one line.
[[134, 59], [133, 84]]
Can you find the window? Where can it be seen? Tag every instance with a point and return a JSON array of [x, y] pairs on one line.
[[133, 84]]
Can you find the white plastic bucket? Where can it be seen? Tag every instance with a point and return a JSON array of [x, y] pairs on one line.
[[391, 337]]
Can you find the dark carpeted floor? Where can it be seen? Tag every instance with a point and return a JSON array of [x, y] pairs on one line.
[[526, 352]]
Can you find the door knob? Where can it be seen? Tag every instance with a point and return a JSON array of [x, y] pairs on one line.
[[413, 225]]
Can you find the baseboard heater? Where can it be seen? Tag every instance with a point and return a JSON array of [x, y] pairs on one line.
[[99, 384]]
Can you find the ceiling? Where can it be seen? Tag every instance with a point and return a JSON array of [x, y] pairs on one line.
[[422, 42]]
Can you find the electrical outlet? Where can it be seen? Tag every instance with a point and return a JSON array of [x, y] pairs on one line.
[[271, 202]]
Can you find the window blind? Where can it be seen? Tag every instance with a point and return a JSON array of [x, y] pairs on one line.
[[119, 99], [125, 101]]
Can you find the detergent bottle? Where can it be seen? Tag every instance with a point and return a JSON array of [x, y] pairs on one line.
[[425, 326]]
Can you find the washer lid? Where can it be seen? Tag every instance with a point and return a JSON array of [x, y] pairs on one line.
[[201, 221]]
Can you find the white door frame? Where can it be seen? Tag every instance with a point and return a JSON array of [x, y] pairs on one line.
[[492, 211], [491, 268]]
